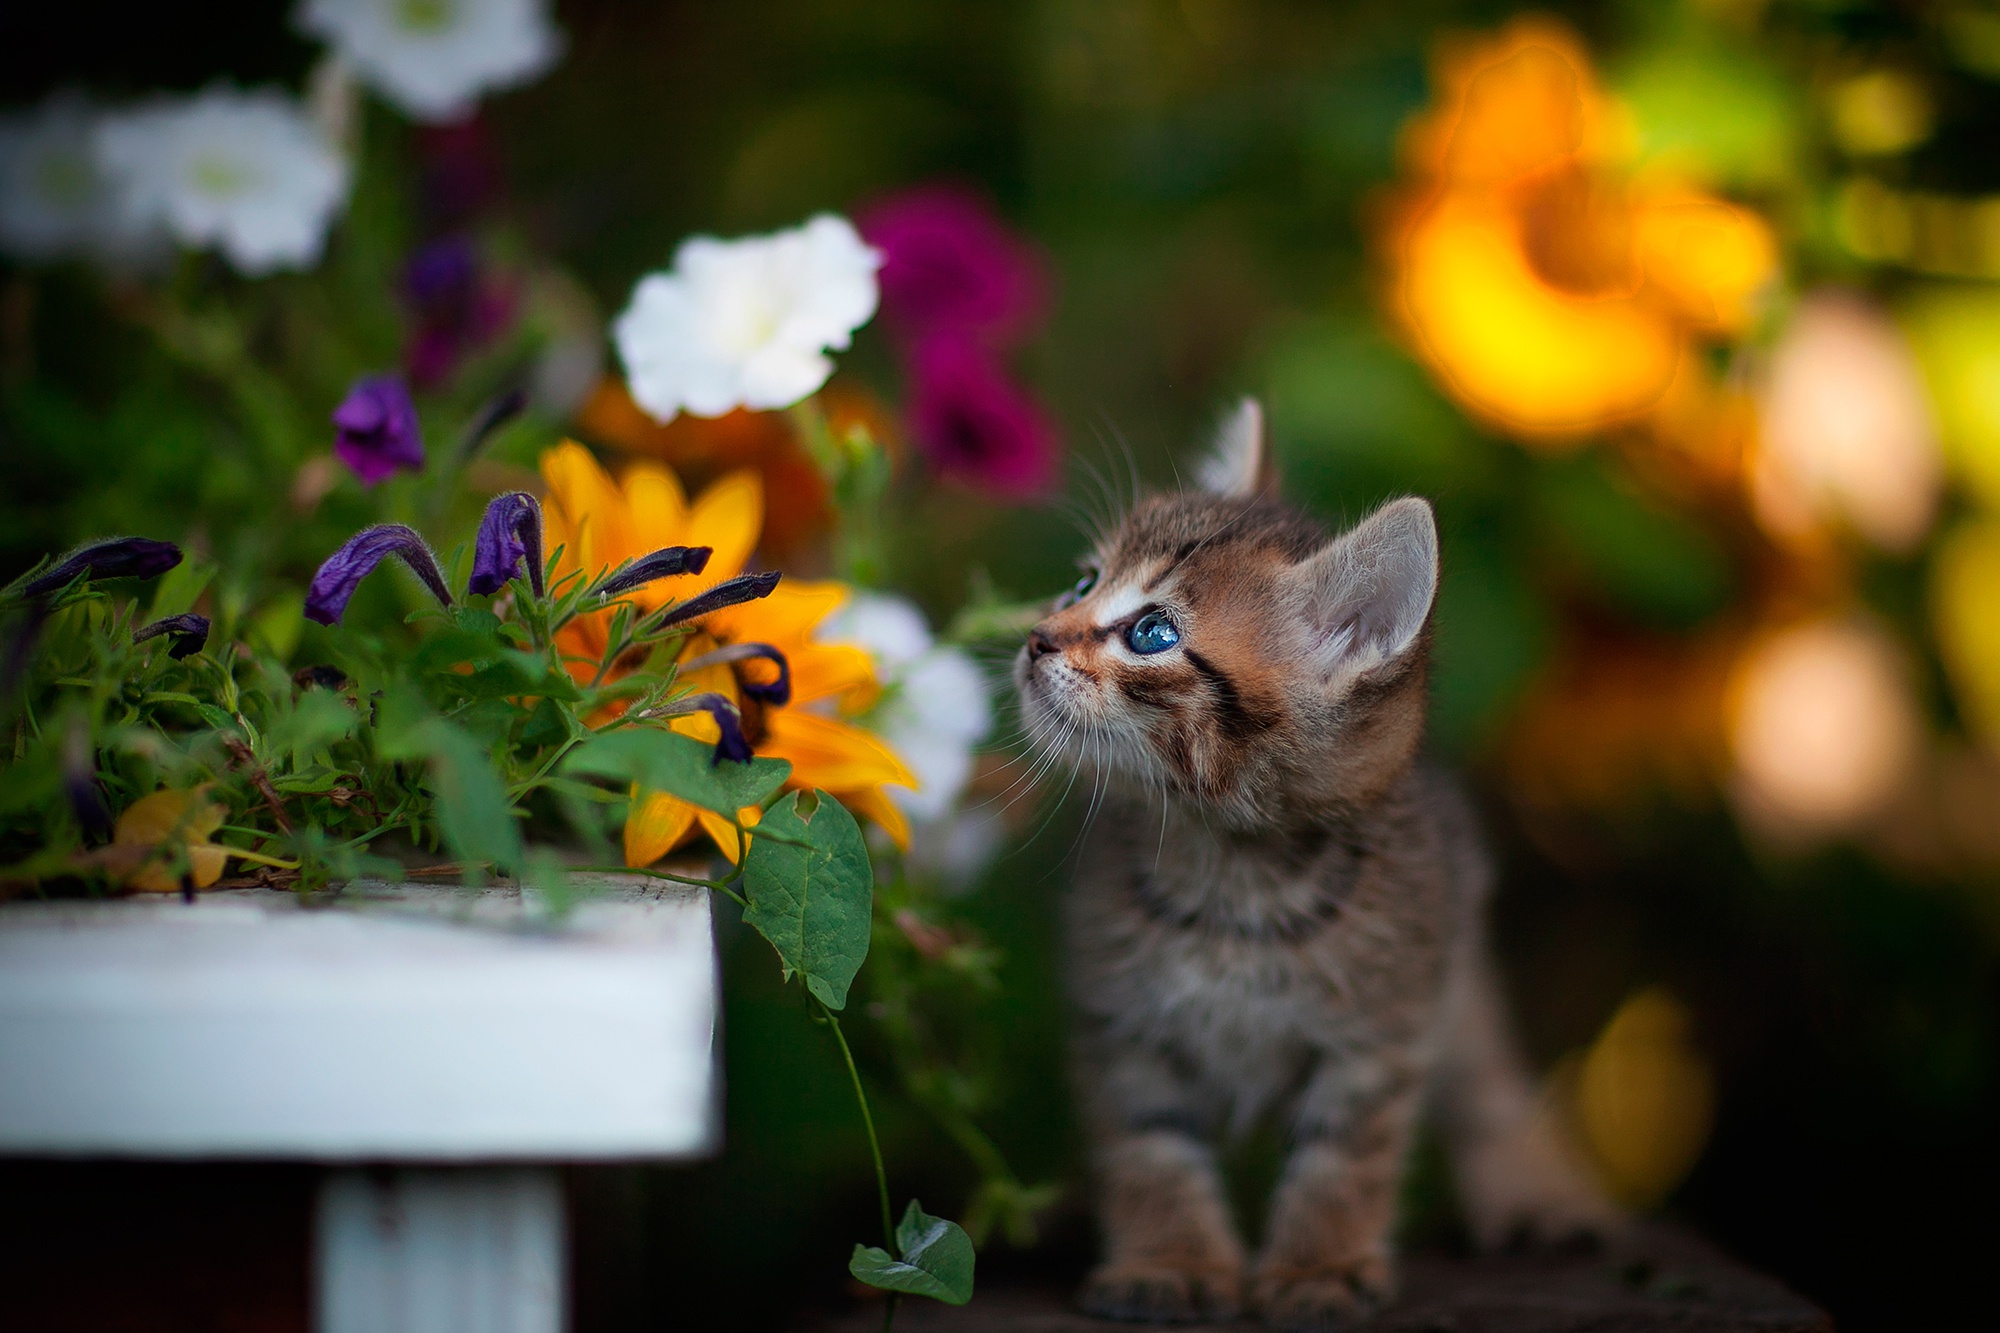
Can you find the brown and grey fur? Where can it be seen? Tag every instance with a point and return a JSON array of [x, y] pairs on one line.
[[1278, 909]]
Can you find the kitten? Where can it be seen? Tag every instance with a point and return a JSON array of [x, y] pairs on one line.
[[1279, 908]]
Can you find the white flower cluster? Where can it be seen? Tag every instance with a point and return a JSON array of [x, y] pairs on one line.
[[746, 323], [251, 174], [935, 707], [245, 172], [433, 58]]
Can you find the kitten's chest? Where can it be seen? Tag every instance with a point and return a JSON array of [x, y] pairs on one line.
[[1247, 951]]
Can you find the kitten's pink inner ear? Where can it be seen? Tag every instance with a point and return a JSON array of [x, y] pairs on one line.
[[1239, 464], [1368, 592]]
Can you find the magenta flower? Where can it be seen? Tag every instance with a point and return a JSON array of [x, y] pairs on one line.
[[455, 306], [952, 266], [376, 429], [976, 424]]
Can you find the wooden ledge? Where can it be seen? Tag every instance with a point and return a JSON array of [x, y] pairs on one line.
[[1665, 1281]]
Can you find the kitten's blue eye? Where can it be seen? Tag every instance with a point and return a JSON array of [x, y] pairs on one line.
[[1153, 632]]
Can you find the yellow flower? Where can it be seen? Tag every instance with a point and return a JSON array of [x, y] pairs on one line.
[[600, 522], [1549, 290]]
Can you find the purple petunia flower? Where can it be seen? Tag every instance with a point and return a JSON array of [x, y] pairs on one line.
[[976, 424], [188, 633], [952, 266], [377, 430], [112, 558], [510, 532], [334, 584]]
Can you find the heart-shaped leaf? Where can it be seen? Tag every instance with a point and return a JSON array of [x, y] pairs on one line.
[[812, 895], [662, 760], [937, 1259]]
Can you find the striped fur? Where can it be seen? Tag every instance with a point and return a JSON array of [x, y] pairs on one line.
[[1276, 912]]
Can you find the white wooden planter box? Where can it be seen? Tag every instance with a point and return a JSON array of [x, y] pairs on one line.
[[412, 1025]]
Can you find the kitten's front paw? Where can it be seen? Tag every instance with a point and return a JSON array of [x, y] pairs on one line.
[[1323, 1298], [1158, 1293]]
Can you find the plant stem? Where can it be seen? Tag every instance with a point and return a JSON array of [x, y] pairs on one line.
[[868, 1122]]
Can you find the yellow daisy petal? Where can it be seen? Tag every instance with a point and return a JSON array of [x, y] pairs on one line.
[[657, 510], [589, 510], [828, 753], [723, 834], [727, 516], [657, 824], [874, 803]]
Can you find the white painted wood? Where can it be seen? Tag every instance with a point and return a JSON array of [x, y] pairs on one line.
[[451, 1250], [404, 1023]]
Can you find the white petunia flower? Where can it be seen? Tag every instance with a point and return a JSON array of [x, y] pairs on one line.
[[746, 323], [245, 172], [433, 58], [935, 707], [55, 202]]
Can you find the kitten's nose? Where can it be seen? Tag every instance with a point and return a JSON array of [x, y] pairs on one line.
[[1039, 645]]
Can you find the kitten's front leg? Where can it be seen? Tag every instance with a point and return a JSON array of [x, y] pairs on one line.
[[1327, 1254], [1171, 1251]]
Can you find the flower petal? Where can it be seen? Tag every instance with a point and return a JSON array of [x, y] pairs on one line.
[[657, 824], [829, 753], [728, 516]]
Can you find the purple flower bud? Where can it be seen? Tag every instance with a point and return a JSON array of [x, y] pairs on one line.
[[79, 773], [377, 430], [495, 413], [189, 634], [664, 563], [777, 693], [510, 533], [729, 592], [113, 558], [326, 600], [732, 745]]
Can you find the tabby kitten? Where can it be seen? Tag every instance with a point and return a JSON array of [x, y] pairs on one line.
[[1278, 910]]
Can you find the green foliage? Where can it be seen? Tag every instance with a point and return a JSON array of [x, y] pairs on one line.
[[810, 889], [670, 762], [937, 1259]]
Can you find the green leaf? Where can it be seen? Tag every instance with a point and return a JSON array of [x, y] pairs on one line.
[[811, 896], [473, 809], [663, 760], [937, 1259]]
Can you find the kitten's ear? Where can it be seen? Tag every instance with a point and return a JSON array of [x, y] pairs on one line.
[[1368, 592], [1239, 466]]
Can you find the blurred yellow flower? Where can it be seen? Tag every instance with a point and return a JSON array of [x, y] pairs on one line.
[[1956, 332], [1823, 729], [1645, 1099], [158, 830], [1548, 289], [1845, 428], [1965, 611], [600, 522]]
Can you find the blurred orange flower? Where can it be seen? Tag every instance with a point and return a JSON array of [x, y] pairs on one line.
[[600, 523], [1551, 290]]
